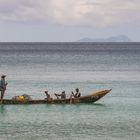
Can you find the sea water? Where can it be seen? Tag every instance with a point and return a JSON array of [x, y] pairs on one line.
[[32, 68]]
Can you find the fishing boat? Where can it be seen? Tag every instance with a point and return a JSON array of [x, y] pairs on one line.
[[93, 97]]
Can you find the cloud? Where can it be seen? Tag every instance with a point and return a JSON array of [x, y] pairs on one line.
[[71, 12]]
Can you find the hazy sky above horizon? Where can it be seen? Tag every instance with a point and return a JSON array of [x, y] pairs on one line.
[[68, 20]]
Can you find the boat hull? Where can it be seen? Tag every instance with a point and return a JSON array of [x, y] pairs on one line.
[[95, 96]]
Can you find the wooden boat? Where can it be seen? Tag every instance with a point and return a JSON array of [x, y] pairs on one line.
[[95, 96]]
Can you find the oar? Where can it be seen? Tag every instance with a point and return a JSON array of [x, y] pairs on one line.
[[2, 95]]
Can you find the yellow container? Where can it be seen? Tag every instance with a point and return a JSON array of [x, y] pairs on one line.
[[21, 98]]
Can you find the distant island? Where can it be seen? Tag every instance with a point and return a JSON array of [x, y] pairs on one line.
[[118, 38]]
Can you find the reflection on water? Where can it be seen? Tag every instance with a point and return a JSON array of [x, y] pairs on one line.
[[99, 104], [2, 108]]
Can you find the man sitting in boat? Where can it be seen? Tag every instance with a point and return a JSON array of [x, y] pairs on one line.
[[62, 95], [77, 94], [48, 97]]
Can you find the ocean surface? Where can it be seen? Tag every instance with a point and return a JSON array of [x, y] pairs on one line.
[[32, 68]]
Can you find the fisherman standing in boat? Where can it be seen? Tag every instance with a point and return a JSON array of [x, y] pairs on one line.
[[3, 85]]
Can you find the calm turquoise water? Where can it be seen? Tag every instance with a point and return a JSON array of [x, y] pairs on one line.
[[33, 68]]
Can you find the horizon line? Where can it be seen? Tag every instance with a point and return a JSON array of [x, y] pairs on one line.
[[74, 42]]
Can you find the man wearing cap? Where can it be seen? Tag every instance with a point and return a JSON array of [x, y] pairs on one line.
[[62, 95], [3, 85]]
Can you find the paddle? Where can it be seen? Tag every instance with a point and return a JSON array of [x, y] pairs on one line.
[[2, 94]]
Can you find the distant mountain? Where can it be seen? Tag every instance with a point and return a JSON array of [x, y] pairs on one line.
[[118, 38]]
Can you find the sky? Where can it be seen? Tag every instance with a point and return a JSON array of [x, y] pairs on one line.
[[68, 20]]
